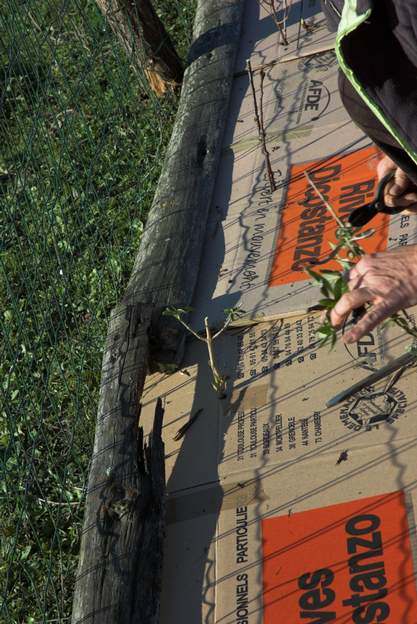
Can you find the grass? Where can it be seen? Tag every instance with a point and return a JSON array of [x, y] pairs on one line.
[[82, 146]]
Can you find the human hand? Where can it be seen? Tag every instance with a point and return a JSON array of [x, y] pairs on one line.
[[387, 280], [400, 192]]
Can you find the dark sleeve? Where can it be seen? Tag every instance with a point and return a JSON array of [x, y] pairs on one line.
[[364, 118]]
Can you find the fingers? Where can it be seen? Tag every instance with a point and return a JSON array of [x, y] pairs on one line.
[[399, 200], [395, 192], [353, 273], [365, 264], [401, 183], [368, 322], [354, 279], [387, 280], [355, 283], [348, 302], [385, 166]]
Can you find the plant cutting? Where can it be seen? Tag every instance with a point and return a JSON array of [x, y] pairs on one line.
[[333, 284], [218, 379]]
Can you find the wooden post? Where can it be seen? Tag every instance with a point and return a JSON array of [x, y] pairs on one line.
[[121, 547], [146, 41], [119, 570], [172, 243]]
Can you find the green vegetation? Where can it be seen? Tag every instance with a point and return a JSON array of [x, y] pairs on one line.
[[82, 143], [333, 284], [218, 380]]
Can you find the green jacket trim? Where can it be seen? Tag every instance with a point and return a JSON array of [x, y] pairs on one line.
[[350, 21]]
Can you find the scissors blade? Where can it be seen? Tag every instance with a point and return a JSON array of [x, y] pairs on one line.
[[362, 215]]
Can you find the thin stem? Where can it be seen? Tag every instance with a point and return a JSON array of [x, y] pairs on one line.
[[218, 379], [329, 207], [269, 6], [209, 341], [225, 326], [190, 329], [259, 122], [324, 200]]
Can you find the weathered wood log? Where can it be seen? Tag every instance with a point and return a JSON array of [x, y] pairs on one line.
[[145, 40], [166, 268], [121, 547]]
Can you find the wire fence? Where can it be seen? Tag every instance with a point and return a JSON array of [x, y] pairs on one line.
[[82, 139]]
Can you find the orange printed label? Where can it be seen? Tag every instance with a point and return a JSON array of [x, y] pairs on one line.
[[344, 563], [307, 228]]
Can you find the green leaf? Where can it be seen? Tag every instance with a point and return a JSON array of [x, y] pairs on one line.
[[330, 278], [234, 313], [327, 303], [316, 277], [345, 263], [344, 234], [324, 341], [324, 331], [326, 289], [176, 312], [340, 288], [330, 275], [184, 310]]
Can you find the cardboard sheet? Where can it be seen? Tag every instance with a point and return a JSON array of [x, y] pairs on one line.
[[279, 381], [322, 544], [272, 449], [258, 241], [304, 25], [280, 510]]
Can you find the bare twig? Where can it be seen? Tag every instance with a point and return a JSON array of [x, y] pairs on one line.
[[190, 329], [269, 6], [229, 319], [218, 379], [209, 340], [260, 124], [324, 200]]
